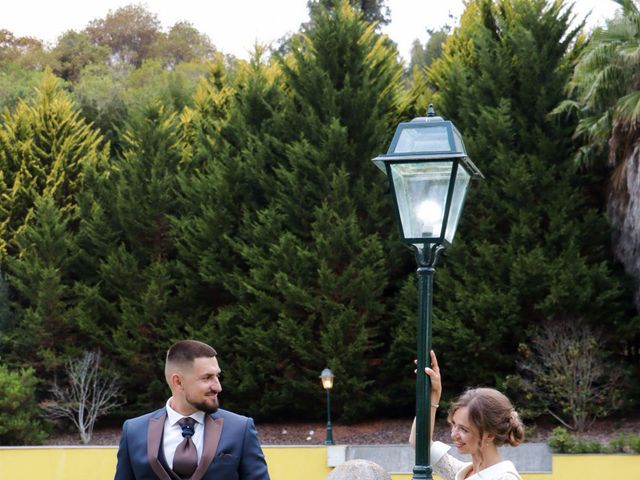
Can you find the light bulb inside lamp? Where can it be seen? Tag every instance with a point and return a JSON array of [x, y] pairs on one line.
[[430, 214]]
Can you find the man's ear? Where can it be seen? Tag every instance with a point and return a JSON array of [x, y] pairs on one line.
[[176, 381]]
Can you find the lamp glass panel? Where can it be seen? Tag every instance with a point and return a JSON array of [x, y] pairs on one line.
[[458, 141], [457, 200], [423, 139], [421, 193]]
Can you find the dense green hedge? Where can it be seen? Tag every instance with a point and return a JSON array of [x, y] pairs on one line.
[[245, 212]]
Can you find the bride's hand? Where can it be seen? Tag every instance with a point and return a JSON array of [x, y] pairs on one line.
[[436, 381]]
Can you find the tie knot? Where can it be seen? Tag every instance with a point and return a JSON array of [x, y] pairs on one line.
[[187, 424]]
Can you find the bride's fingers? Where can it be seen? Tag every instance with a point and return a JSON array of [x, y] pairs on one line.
[[434, 360]]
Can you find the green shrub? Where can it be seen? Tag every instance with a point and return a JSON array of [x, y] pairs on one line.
[[634, 443], [561, 441], [618, 444], [19, 411], [588, 446]]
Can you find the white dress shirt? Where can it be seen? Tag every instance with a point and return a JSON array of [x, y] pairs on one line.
[[172, 433]]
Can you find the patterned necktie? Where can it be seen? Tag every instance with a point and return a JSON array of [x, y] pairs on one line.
[[185, 459]]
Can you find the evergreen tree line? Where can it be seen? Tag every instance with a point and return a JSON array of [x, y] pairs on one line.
[[242, 208]]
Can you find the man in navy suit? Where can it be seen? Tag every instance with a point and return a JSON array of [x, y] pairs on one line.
[[164, 444]]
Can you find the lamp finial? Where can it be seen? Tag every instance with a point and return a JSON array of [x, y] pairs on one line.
[[431, 112]]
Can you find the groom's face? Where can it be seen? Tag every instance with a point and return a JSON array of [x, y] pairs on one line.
[[202, 384]]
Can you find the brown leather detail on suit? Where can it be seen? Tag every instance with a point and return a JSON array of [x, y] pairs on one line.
[[154, 440], [212, 432]]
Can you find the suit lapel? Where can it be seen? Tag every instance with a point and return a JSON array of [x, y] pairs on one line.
[[212, 432], [154, 439]]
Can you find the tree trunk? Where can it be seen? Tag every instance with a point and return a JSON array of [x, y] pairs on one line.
[[624, 211]]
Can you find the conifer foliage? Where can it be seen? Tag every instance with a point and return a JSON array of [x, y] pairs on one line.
[[125, 233], [45, 149], [312, 294], [249, 214], [529, 248], [42, 274], [44, 144]]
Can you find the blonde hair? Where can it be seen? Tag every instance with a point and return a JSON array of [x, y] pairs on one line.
[[491, 412]]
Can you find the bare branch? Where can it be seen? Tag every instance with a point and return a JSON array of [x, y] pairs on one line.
[[566, 369], [88, 394]]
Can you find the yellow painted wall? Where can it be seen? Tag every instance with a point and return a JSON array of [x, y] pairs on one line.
[[70, 463], [289, 463], [285, 463], [581, 467]]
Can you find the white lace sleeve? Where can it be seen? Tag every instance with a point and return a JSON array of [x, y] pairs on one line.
[[448, 466], [444, 464]]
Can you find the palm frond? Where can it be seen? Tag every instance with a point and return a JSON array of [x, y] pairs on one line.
[[566, 107], [628, 108], [585, 157], [607, 85], [628, 7], [595, 128], [604, 88]]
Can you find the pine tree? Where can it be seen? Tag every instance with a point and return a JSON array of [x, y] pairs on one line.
[[45, 148], [371, 10], [311, 294], [6, 315], [129, 295], [231, 138], [529, 247], [44, 144], [41, 273]]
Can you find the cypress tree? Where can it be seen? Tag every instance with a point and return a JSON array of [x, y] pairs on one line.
[[44, 144], [312, 293], [45, 149], [129, 294], [6, 315], [41, 273], [235, 132], [529, 247], [210, 191]]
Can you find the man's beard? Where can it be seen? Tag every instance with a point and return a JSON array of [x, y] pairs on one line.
[[206, 407]]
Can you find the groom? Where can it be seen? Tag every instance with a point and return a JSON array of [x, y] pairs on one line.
[[191, 438]]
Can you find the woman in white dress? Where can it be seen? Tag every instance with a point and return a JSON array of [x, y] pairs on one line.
[[481, 419]]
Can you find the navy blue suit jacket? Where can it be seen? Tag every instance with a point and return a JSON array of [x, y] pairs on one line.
[[231, 449]]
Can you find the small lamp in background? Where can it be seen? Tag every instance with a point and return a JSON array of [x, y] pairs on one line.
[[327, 382]]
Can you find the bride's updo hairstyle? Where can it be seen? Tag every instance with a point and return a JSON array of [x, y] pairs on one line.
[[491, 412]]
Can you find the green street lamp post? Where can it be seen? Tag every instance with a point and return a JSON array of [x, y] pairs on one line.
[[327, 382], [429, 174]]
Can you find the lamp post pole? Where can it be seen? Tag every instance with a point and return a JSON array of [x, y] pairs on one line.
[[426, 258], [329, 439], [327, 383], [429, 174]]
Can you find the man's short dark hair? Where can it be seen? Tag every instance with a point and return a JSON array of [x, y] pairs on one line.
[[186, 351]]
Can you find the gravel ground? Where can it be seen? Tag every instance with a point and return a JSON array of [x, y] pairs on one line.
[[367, 433]]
